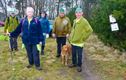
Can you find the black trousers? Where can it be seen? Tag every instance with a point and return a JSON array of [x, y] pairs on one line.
[[13, 43], [77, 55], [33, 55], [60, 42]]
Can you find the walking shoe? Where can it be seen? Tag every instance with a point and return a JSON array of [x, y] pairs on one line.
[[72, 65], [29, 66], [11, 50], [39, 68], [42, 52], [16, 49], [79, 69], [57, 55]]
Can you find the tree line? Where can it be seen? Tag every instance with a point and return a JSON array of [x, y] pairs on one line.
[[51, 6]]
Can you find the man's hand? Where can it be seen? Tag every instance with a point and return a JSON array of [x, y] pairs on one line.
[[40, 42], [67, 35], [53, 35], [44, 34], [47, 35], [7, 34]]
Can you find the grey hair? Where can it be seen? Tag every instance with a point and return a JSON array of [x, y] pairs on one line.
[[29, 8]]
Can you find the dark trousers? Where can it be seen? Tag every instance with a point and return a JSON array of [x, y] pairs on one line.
[[13, 43], [77, 55], [33, 55], [60, 42]]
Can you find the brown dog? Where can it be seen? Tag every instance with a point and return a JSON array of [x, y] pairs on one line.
[[65, 53]]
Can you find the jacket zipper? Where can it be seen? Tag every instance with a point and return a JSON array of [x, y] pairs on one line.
[[28, 32]]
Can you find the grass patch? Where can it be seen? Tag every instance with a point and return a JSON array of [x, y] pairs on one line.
[[52, 67], [111, 70], [16, 70]]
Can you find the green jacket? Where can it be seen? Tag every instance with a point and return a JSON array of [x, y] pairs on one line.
[[80, 32], [10, 24], [62, 26]]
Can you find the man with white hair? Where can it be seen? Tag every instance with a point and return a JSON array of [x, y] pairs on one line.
[[31, 36], [61, 30]]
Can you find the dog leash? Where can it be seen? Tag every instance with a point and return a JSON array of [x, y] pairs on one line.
[[68, 40]]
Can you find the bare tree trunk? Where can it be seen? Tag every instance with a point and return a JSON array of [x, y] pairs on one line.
[[40, 6], [23, 13], [1, 3], [58, 7], [36, 7], [4, 7], [43, 3], [72, 3], [76, 2], [86, 10]]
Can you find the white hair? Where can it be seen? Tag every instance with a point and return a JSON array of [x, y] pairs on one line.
[[29, 8]]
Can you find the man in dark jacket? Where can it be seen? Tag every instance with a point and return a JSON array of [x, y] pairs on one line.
[[31, 36]]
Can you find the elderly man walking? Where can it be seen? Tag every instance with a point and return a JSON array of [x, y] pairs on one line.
[[31, 36]]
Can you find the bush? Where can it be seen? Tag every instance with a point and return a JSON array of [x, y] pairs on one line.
[[101, 25], [71, 15]]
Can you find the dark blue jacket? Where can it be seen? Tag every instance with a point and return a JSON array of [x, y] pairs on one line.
[[44, 24], [31, 33]]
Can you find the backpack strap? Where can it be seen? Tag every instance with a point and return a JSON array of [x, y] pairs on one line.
[[17, 19], [22, 21], [8, 21]]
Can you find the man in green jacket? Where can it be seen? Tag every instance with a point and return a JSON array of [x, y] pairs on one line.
[[11, 23], [80, 32], [61, 30]]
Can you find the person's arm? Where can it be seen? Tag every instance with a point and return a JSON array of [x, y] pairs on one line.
[[48, 26], [18, 22], [88, 30], [40, 31], [17, 31], [54, 29], [69, 26]]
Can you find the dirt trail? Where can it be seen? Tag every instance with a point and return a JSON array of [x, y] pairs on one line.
[[92, 46], [88, 72], [95, 50]]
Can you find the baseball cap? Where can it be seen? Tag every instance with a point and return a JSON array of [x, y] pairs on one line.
[[78, 10]]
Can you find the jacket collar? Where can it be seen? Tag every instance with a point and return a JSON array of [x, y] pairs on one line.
[[78, 21], [12, 17], [61, 17], [27, 18]]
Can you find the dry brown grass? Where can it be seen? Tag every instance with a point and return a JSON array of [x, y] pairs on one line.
[[52, 67], [107, 63]]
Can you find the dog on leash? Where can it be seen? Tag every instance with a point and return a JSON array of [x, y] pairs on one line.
[[65, 54]]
